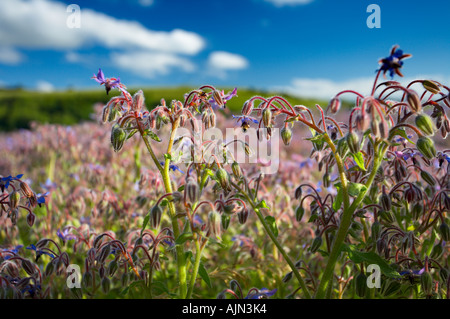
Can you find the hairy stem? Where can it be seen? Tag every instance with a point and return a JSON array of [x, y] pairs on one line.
[[276, 242], [345, 223]]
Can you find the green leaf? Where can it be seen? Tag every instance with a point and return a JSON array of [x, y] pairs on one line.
[[132, 285], [338, 200], [262, 204], [130, 135], [370, 258], [204, 274], [184, 237], [145, 222], [316, 137], [152, 135], [359, 160], [402, 133], [355, 188], [272, 224]]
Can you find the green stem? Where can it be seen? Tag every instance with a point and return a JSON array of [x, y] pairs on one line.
[[276, 242], [347, 217], [181, 263], [198, 256]]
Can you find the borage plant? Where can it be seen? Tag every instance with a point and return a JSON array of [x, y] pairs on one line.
[[390, 195]]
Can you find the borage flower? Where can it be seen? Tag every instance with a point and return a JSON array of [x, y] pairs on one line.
[[40, 252], [224, 99], [173, 167], [393, 62], [110, 83], [65, 235], [263, 293], [245, 121], [4, 181]]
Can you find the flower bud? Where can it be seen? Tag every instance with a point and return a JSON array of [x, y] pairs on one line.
[[427, 282], [326, 180], [334, 105], [414, 101], [342, 146], [28, 266], [138, 101], [30, 219], [14, 199], [426, 146], [427, 177], [218, 98], [49, 269], [385, 201], [286, 135], [287, 277], [87, 279], [236, 170], [26, 189], [214, 223], [267, 117], [362, 122], [376, 228], [425, 124], [317, 242], [192, 190], [105, 113], [225, 219], [243, 215], [112, 268], [118, 136], [353, 142], [298, 192], [124, 279], [361, 285], [416, 211], [104, 253], [299, 212], [444, 230], [431, 86], [106, 284], [155, 216], [223, 178]]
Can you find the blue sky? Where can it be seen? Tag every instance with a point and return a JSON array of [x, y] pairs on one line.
[[304, 47]]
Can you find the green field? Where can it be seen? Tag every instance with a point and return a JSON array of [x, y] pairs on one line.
[[18, 108]]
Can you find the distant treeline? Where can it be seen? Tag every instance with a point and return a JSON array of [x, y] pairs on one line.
[[18, 108]]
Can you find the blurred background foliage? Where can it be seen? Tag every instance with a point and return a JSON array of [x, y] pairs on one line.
[[18, 107]]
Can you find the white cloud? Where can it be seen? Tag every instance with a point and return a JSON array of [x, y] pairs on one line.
[[151, 64], [10, 56], [44, 86], [326, 89], [146, 3], [227, 61], [42, 24], [281, 3]]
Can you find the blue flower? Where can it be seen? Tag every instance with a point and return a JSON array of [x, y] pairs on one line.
[[6, 180], [412, 272], [261, 294], [393, 63], [41, 198], [14, 251], [40, 252], [173, 167]]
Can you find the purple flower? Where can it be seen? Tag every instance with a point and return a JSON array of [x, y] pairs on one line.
[[245, 121], [263, 293], [110, 83], [225, 98], [65, 235], [393, 63]]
